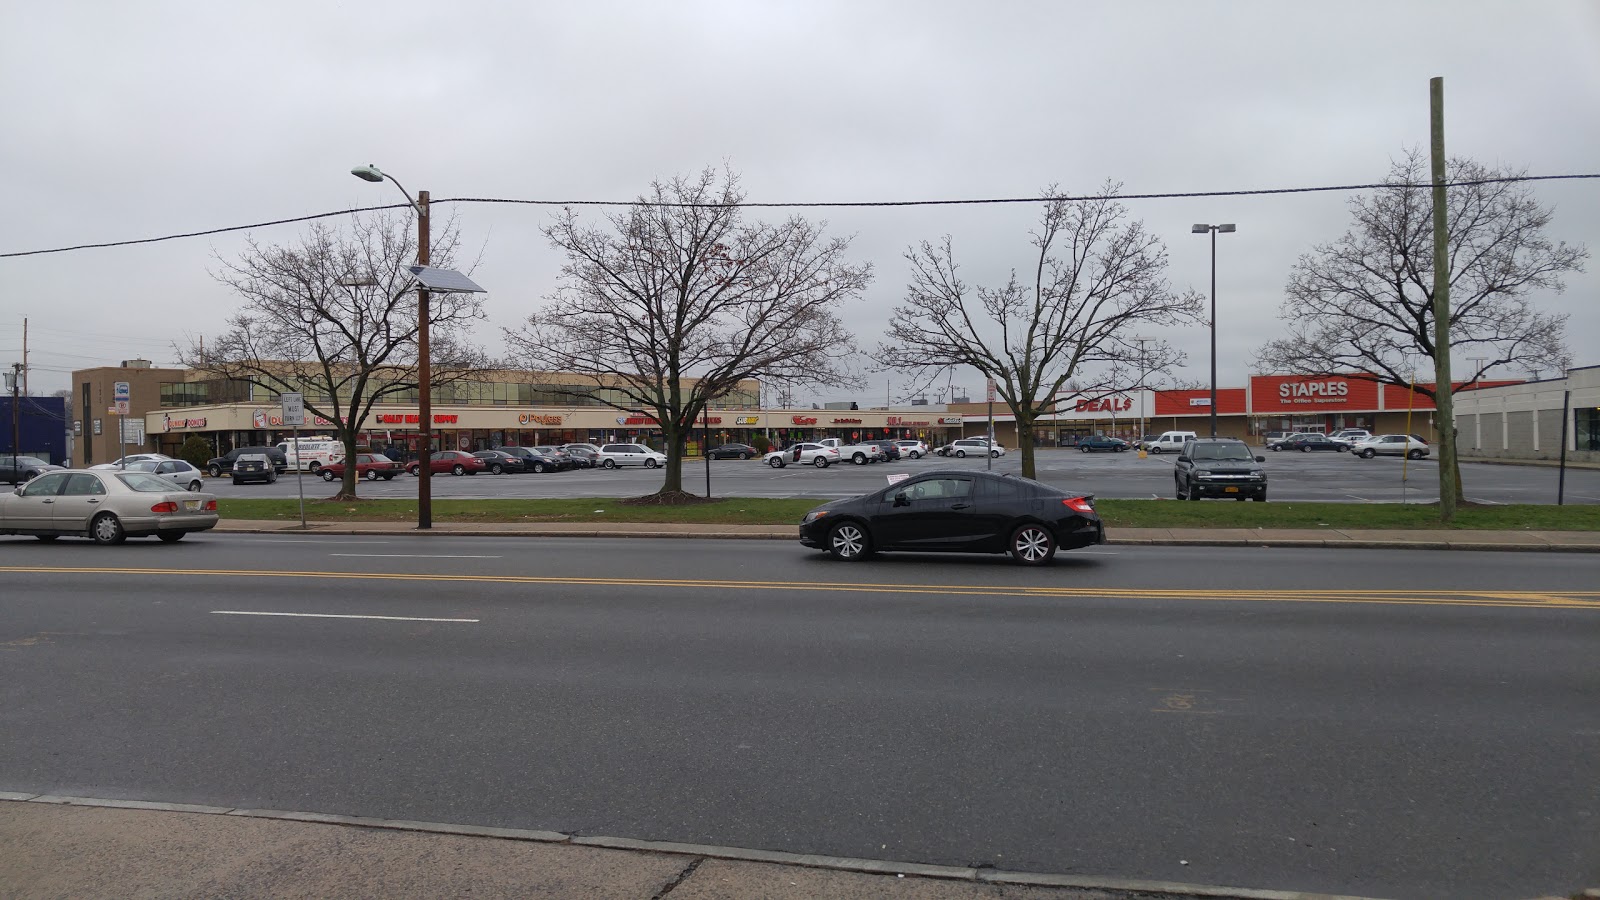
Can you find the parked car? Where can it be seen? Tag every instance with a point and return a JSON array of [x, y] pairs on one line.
[[533, 460], [859, 453], [943, 449], [370, 466], [975, 447], [502, 463], [1221, 467], [733, 451], [613, 455], [1101, 443], [1306, 443], [1273, 437], [1170, 442], [180, 473], [1409, 446], [889, 449], [803, 454], [17, 469], [456, 462], [582, 455], [253, 467], [957, 512], [224, 463], [107, 506], [130, 458], [312, 452], [562, 458], [1349, 436], [913, 449]]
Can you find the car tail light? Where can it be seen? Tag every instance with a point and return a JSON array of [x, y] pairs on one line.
[[211, 506], [1079, 504], [166, 506]]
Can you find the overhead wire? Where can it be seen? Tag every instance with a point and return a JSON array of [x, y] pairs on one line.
[[806, 205]]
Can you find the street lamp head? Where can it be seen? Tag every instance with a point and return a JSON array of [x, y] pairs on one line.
[[367, 173], [1200, 229], [1225, 229]]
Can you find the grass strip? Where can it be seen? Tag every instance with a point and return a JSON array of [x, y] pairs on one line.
[[788, 511]]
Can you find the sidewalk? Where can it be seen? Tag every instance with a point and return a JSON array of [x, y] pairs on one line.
[[84, 848], [1571, 541]]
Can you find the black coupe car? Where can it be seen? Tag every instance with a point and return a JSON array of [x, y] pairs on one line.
[[961, 511], [734, 451]]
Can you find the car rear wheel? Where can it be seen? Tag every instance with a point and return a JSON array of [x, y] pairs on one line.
[[458, 469], [171, 537], [327, 474], [776, 462], [1415, 454], [859, 459], [1306, 449], [1032, 545], [848, 542], [388, 476], [106, 528], [820, 462], [314, 468], [744, 456], [915, 455], [1368, 453], [195, 485]]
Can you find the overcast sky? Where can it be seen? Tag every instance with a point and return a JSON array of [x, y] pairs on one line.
[[143, 119]]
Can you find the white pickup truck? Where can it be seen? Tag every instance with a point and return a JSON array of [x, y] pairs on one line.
[[860, 454]]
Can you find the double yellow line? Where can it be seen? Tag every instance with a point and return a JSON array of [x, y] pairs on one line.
[[1522, 599]]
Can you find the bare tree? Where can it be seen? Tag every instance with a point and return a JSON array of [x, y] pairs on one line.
[[1096, 278], [1364, 303], [334, 315], [677, 300]]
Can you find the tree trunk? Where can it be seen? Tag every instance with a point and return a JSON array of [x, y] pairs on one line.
[[675, 437], [347, 486], [1025, 442]]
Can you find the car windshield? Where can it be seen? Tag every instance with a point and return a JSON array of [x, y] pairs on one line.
[[1222, 451], [140, 481]]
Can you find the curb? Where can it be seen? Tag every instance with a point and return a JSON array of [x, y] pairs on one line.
[[737, 854]]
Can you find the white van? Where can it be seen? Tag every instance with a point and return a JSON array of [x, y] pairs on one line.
[[1170, 442], [312, 453]]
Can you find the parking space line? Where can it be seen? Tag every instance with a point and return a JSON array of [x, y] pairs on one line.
[[417, 555], [240, 612]]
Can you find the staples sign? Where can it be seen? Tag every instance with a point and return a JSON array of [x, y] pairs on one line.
[[1329, 391]]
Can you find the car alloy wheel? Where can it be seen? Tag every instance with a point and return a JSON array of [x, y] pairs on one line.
[[1306, 449], [497, 469], [994, 454], [372, 475], [744, 456], [1414, 454], [608, 464], [1032, 545], [961, 454], [107, 529], [776, 462], [414, 470], [315, 468], [848, 542], [327, 474], [458, 469], [820, 462], [1084, 448], [1368, 453], [538, 467], [859, 459], [195, 485], [651, 463], [216, 471], [915, 455]]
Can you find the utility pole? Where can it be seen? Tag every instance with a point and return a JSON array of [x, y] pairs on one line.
[[424, 374], [25, 357], [16, 415], [1443, 401], [1141, 341]]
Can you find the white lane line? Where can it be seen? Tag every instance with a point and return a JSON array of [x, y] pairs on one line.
[[239, 612], [417, 555], [308, 541]]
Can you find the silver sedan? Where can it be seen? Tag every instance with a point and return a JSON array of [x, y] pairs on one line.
[[107, 506]]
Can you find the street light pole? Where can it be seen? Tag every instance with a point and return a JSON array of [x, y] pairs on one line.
[[1202, 229], [424, 365]]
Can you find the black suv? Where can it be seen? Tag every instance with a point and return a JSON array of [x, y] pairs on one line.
[[223, 464], [1219, 468]]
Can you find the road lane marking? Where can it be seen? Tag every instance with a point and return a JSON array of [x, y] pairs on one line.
[[240, 612], [1480, 598], [417, 555], [314, 541]]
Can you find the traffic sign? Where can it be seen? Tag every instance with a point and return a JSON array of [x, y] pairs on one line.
[[294, 409], [119, 391], [120, 408]]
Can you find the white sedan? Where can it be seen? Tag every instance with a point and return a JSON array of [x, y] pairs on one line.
[[106, 506], [131, 458], [1390, 445], [803, 455]]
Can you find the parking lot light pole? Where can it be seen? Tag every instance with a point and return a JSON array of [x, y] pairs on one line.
[[424, 367], [1202, 229]]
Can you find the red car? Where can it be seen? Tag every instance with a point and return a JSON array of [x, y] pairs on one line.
[[368, 465], [453, 461]]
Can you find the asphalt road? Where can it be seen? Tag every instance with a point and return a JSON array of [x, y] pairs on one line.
[[1383, 723], [1333, 477]]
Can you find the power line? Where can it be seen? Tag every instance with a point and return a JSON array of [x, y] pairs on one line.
[[807, 205]]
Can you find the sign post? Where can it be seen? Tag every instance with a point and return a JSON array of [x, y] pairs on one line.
[[294, 415], [988, 462], [121, 397]]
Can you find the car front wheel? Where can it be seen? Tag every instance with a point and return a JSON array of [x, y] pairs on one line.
[[961, 454], [327, 474], [497, 469], [414, 470], [1032, 545], [744, 456], [372, 475], [848, 542], [608, 464], [651, 464], [776, 462], [1084, 448], [1368, 453], [216, 471]]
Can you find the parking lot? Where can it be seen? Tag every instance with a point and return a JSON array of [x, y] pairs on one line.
[[1330, 477]]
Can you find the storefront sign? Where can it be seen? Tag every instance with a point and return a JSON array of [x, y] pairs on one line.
[[1104, 404], [637, 420], [262, 419], [1314, 391], [171, 423], [1199, 401], [803, 420], [747, 420], [898, 422], [537, 419], [950, 420], [847, 421], [711, 420], [399, 419]]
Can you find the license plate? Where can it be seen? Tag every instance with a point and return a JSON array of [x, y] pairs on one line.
[[191, 505], [1231, 490]]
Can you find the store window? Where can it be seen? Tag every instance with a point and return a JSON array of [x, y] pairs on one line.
[[1587, 430]]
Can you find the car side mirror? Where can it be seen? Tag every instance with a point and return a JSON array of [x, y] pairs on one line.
[[900, 499], [1261, 459]]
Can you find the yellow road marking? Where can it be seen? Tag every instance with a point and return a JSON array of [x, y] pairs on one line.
[[1496, 598]]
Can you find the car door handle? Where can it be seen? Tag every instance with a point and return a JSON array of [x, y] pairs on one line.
[[93, 500], [962, 506], [48, 500]]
